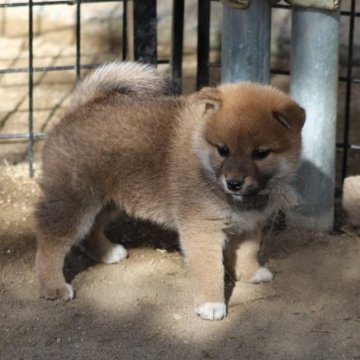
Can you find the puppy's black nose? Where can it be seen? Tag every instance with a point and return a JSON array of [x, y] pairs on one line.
[[234, 185]]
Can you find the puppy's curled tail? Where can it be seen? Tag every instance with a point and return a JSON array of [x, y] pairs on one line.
[[123, 77]]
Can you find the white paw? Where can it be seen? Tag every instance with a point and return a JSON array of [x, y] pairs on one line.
[[211, 311], [115, 254], [261, 275], [70, 292]]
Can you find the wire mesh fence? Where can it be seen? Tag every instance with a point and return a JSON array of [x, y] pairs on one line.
[[139, 41]]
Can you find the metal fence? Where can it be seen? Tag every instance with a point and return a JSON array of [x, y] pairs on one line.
[[143, 45], [144, 48]]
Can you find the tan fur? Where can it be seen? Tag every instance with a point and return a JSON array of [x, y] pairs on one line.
[[156, 157], [242, 254]]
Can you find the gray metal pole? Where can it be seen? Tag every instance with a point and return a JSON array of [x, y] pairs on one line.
[[314, 82], [246, 43]]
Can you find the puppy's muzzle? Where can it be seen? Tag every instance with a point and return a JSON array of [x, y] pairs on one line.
[[245, 187]]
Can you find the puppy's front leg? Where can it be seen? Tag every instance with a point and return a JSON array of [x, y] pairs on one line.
[[203, 249], [242, 256]]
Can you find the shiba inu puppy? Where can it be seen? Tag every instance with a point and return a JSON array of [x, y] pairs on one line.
[[214, 166]]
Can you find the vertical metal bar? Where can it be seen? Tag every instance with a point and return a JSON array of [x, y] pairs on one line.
[[30, 92], [145, 39], [130, 36], [78, 39], [177, 43], [246, 43], [203, 44], [124, 31], [348, 91], [314, 82]]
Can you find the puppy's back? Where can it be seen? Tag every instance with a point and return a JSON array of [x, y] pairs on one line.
[[113, 138]]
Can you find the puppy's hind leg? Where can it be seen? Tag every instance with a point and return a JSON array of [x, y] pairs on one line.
[[50, 255], [60, 224], [98, 246]]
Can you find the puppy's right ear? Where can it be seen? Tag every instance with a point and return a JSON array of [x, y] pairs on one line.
[[211, 99]]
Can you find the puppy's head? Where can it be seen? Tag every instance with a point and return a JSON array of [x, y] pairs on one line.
[[249, 139]]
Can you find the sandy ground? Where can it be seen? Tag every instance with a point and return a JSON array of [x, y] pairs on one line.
[[141, 308]]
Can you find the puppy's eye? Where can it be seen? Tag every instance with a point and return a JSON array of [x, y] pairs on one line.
[[223, 151], [259, 154]]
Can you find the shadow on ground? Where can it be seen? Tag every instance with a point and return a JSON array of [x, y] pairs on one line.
[[141, 308]]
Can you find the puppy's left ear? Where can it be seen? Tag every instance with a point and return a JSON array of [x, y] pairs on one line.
[[211, 99], [292, 116]]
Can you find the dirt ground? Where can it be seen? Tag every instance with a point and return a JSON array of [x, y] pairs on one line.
[[141, 308]]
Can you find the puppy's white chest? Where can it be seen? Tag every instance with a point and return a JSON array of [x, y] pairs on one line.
[[247, 220]]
